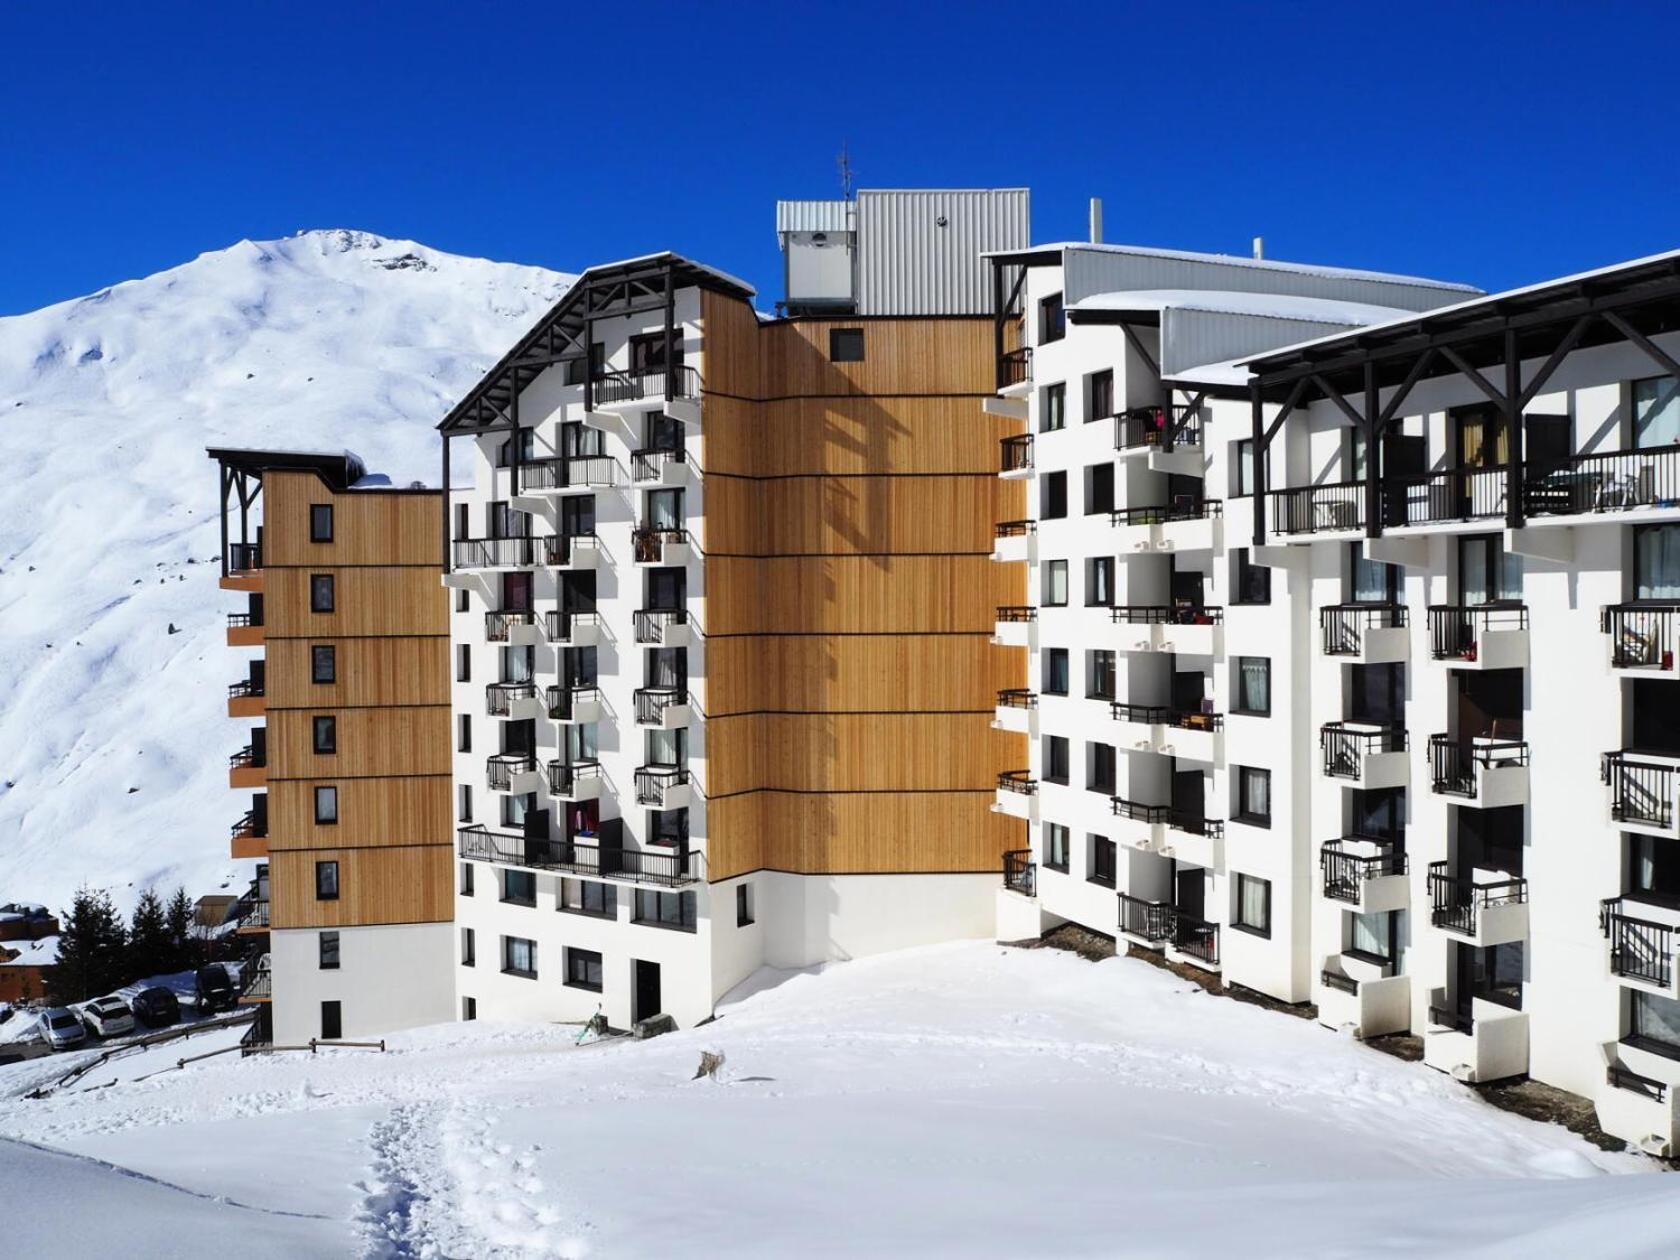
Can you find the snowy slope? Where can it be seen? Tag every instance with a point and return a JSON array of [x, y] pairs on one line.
[[113, 734], [962, 1100]]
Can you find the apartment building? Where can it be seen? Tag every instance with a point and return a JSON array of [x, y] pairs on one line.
[[347, 764], [721, 622]]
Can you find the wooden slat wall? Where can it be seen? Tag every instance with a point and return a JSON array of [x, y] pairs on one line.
[[371, 742], [369, 672], [850, 674], [366, 601], [411, 885], [369, 526], [372, 813]]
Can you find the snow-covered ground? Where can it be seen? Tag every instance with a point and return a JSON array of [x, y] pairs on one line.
[[113, 731], [961, 1100]]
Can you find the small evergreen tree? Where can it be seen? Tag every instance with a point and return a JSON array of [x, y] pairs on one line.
[[150, 951], [178, 922], [92, 955]]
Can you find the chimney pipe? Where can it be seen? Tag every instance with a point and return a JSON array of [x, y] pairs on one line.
[[1259, 247], [1096, 220]]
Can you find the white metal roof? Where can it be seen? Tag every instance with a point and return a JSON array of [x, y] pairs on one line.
[[813, 216], [1223, 302]]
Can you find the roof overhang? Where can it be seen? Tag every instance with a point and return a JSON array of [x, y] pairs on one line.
[[339, 469]]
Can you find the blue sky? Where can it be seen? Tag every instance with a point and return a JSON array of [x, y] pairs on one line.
[[1496, 144]]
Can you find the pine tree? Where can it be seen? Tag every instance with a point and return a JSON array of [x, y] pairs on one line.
[[178, 923], [150, 950], [92, 957]]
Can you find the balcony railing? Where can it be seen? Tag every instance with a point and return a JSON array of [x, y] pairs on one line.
[[1454, 494], [1319, 509], [1344, 625], [1613, 481], [1016, 613], [1641, 790], [653, 782], [577, 856], [650, 464], [252, 825], [499, 623], [1185, 508], [260, 985], [495, 553], [1620, 1077], [648, 544], [1192, 822], [1015, 453], [500, 769], [562, 701], [568, 470], [651, 703], [1020, 872], [650, 624], [560, 626], [565, 776], [1166, 615], [1017, 698], [1345, 748], [1455, 902], [1640, 949], [1196, 937], [499, 697], [1166, 715], [622, 387], [1138, 811], [253, 918], [245, 688], [1020, 782], [1150, 920], [1015, 367], [559, 550], [1346, 872], [1339, 980], [1456, 630], [238, 621], [1016, 529], [1641, 635], [248, 758], [1455, 768], [1147, 427], [244, 557]]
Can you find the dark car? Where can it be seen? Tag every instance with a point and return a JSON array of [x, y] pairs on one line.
[[156, 1007], [214, 988]]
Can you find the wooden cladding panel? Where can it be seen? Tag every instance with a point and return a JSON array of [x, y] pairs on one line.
[[900, 356], [868, 515], [824, 673], [853, 594], [372, 742], [369, 526], [367, 601], [730, 338], [838, 834], [369, 671], [372, 813], [375, 886], [856, 752]]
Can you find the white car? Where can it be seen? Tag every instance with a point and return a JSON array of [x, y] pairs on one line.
[[108, 1017]]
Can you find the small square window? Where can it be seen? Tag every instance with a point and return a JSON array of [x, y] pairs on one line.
[[326, 881], [320, 522], [583, 969], [321, 592], [326, 735], [519, 888], [519, 957], [326, 805], [845, 345], [323, 663], [743, 905], [329, 951]]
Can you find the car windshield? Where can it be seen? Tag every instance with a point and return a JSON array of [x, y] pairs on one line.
[[61, 1021]]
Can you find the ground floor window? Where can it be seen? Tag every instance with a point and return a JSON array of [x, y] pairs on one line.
[[1254, 905], [1655, 1023], [1056, 846], [1369, 936], [469, 1008], [743, 905], [583, 969], [664, 909], [519, 957], [469, 948]]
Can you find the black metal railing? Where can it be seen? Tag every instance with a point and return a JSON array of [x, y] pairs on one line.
[[1456, 630], [1196, 937], [1015, 453], [249, 757], [564, 776], [1345, 748], [1020, 782], [653, 782], [1339, 980], [1640, 949], [1455, 767], [1451, 1017], [1344, 625], [577, 856], [1184, 508], [563, 550], [647, 544], [1166, 615], [1143, 714], [563, 701], [1140, 427], [244, 557], [1016, 529], [252, 825], [1148, 920], [649, 464], [1193, 823], [1613, 481], [564, 471], [651, 703], [1345, 872], [1641, 790], [1016, 613], [1020, 872], [494, 553], [1319, 509], [1138, 811], [245, 688], [499, 697], [237, 621], [1015, 367], [1641, 635], [560, 626], [1453, 494], [500, 769], [623, 387], [254, 918], [1619, 1077], [1017, 698], [1454, 903], [650, 624], [499, 624]]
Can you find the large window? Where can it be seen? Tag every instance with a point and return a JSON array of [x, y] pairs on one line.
[[1055, 584], [1052, 495], [1487, 572], [1250, 583], [1253, 910], [1099, 768], [1371, 581], [1656, 562], [1056, 847], [1100, 856], [1254, 796], [1242, 475], [320, 522], [519, 888], [666, 910], [583, 969], [1099, 674], [1052, 411], [1099, 489], [1654, 1023], [1052, 319], [1254, 685], [1656, 411], [323, 663], [328, 951], [584, 896], [519, 957], [321, 592], [1055, 759], [1099, 396], [1099, 582], [1055, 671], [1654, 869]]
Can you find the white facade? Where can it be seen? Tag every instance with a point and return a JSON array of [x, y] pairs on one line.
[[387, 977]]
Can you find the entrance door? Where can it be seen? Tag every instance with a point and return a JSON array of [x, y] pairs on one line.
[[647, 1001]]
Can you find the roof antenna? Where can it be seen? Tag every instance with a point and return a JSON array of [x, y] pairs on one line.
[[1259, 248], [844, 162]]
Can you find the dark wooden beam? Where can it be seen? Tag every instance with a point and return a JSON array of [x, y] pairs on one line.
[[1653, 351], [1514, 438], [1141, 350], [1555, 360], [1453, 357], [1373, 457], [1261, 438]]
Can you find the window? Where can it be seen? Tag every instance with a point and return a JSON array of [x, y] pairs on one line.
[[519, 888], [463, 721], [1099, 674], [1254, 905], [1055, 759], [1099, 396], [1654, 869], [743, 905], [1052, 496], [1254, 796], [663, 909], [1656, 562], [519, 957], [463, 600], [466, 879], [1099, 582], [1099, 489], [332, 1021], [1056, 847], [469, 948], [1100, 859], [1654, 1023], [1656, 411], [326, 735], [1055, 584], [845, 345], [1353, 454], [1055, 671], [320, 522], [326, 806], [463, 520], [583, 969], [1052, 412], [329, 951], [469, 1008], [326, 881], [1242, 475], [463, 663], [323, 663], [1496, 974], [1052, 319], [583, 896], [668, 826], [463, 798], [321, 592], [1250, 583], [1371, 581], [1370, 936], [1254, 685], [1099, 768]]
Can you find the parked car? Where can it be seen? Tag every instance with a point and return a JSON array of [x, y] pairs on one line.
[[61, 1028], [108, 1017], [156, 1007], [214, 988]]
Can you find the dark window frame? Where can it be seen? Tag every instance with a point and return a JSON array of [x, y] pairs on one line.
[[326, 792], [605, 894], [1244, 814], [507, 898], [1245, 573], [326, 880], [1263, 931], [1052, 830], [1238, 697], [319, 584], [1064, 656], [1052, 319], [323, 654], [323, 953], [327, 724], [743, 905], [841, 343], [1052, 495], [687, 919], [508, 969], [1100, 849], [319, 512], [578, 965], [1053, 774], [469, 947]]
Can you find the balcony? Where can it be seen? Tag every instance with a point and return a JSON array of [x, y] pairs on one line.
[[1144, 826], [1489, 908], [1014, 373], [244, 568], [1487, 1042], [1641, 936], [249, 836], [1479, 636], [662, 627], [1143, 431], [247, 699], [248, 768], [1195, 840], [1360, 997], [1179, 628], [576, 703], [258, 986], [485, 555], [654, 467], [1641, 481], [1020, 872], [571, 551], [253, 920], [1639, 1102], [1642, 643], [663, 787], [245, 630], [1192, 734], [675, 392], [1149, 923], [517, 626], [574, 780], [660, 546], [512, 772], [1158, 925], [572, 629], [568, 474], [666, 868], [1186, 524], [1364, 754], [1017, 710], [1486, 773], [1641, 791], [1366, 875], [1015, 456], [1015, 542], [1365, 634], [1017, 626], [514, 701], [1450, 496], [1336, 510], [1017, 795], [662, 708]]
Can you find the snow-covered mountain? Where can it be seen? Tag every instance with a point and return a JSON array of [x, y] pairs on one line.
[[113, 731]]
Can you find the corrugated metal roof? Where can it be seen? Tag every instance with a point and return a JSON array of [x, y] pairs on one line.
[[919, 250], [813, 216], [1192, 338]]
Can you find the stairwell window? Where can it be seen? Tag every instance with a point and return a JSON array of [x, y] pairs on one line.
[[328, 957], [326, 806], [1253, 911], [323, 663], [320, 523], [469, 1009], [1052, 410], [1056, 847], [519, 957], [326, 881], [464, 801], [1254, 686], [845, 345], [1056, 759], [320, 592], [1101, 860], [466, 879], [469, 948], [1055, 671], [326, 735], [1055, 584]]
